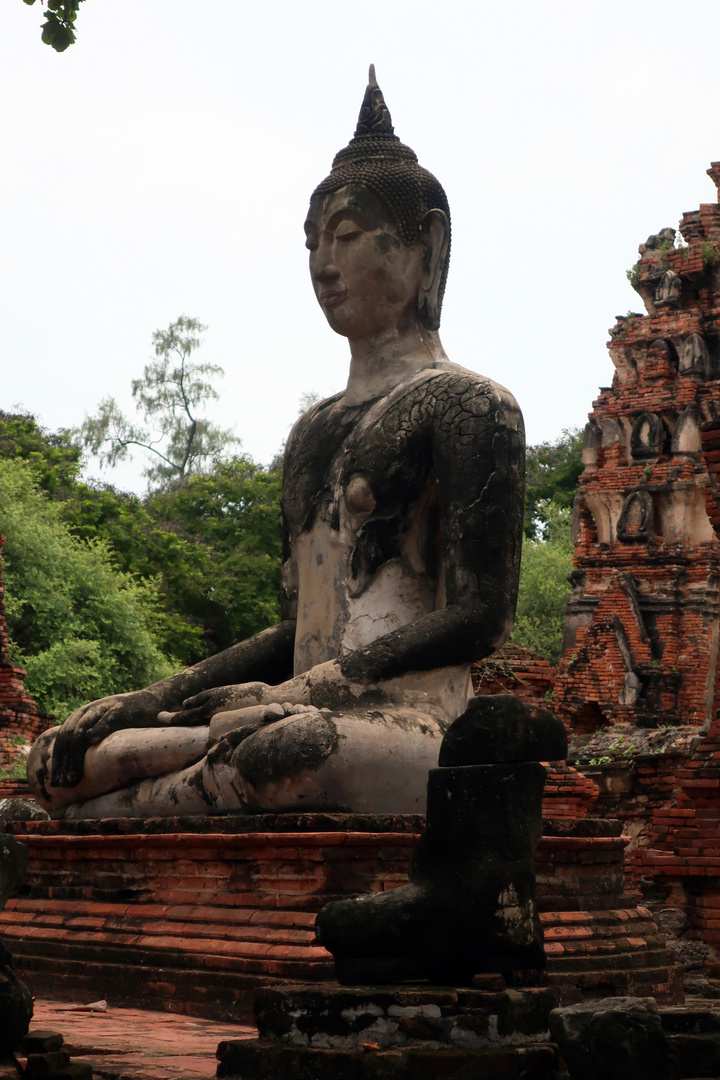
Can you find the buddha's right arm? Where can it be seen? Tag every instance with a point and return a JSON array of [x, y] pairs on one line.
[[265, 658]]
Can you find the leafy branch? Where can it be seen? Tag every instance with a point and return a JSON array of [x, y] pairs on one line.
[[169, 395], [58, 30]]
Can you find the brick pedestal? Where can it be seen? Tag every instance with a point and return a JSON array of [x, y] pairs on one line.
[[194, 914]]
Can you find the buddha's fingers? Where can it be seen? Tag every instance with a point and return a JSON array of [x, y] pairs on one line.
[[68, 757], [200, 708], [102, 724]]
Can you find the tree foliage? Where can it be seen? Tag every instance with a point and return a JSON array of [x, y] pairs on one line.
[[55, 457], [168, 398], [544, 588], [552, 471], [233, 519], [210, 546], [58, 30], [80, 627]]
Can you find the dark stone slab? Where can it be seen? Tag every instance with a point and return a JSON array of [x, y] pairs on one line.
[[499, 728], [12, 810], [585, 827], [618, 1037], [15, 1007], [47, 1062], [698, 1055], [259, 1060], [39, 1041]]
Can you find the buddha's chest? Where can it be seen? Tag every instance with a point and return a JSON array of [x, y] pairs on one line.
[[354, 471]]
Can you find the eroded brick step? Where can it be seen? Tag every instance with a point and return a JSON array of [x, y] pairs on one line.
[[131, 926], [596, 961], [161, 943], [219, 995], [662, 983], [276, 966]]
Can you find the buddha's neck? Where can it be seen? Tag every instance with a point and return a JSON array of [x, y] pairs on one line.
[[384, 360]]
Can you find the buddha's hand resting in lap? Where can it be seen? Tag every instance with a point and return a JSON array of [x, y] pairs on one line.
[[324, 686], [200, 708], [92, 723]]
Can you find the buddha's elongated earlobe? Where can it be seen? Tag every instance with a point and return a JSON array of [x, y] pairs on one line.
[[435, 240]]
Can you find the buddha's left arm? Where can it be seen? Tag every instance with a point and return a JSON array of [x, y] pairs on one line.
[[479, 460]]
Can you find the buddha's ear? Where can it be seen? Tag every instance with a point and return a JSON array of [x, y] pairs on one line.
[[435, 238]]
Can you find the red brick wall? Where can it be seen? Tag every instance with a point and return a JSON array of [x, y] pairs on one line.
[[642, 629], [645, 598]]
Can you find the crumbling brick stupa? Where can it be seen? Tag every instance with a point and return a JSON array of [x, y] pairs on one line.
[[641, 636], [638, 684]]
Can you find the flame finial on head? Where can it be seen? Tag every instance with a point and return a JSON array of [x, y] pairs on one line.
[[374, 118]]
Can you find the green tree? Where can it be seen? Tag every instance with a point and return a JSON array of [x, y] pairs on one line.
[[55, 458], [552, 471], [168, 398], [228, 581], [78, 626], [209, 547], [58, 30], [544, 588]]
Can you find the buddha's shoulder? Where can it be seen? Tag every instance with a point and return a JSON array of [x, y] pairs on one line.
[[317, 412], [452, 387]]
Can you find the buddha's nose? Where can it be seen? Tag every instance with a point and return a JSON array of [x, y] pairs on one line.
[[323, 266]]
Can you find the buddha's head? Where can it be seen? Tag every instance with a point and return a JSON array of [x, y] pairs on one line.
[[378, 230]]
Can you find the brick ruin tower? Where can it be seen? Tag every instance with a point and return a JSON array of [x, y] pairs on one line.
[[641, 634], [19, 720]]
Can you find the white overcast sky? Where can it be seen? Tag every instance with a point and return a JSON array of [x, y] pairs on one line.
[[163, 164]]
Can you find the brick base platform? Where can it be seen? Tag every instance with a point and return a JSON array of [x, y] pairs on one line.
[[327, 1032], [192, 915]]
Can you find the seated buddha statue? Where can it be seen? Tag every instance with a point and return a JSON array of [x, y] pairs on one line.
[[402, 516]]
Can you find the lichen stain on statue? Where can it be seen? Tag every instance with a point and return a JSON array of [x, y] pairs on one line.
[[402, 505]]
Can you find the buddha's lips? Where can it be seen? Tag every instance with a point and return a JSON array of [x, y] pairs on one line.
[[332, 298]]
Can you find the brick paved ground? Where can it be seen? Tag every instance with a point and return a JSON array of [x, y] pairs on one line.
[[132, 1044]]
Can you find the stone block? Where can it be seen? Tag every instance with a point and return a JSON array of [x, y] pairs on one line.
[[258, 1060], [41, 1065], [621, 1037], [15, 1009], [39, 1041]]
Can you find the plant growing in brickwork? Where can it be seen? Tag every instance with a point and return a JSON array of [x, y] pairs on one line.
[[169, 398], [16, 771], [634, 274], [627, 323], [710, 254]]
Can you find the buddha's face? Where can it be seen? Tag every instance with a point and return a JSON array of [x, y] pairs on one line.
[[365, 278]]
